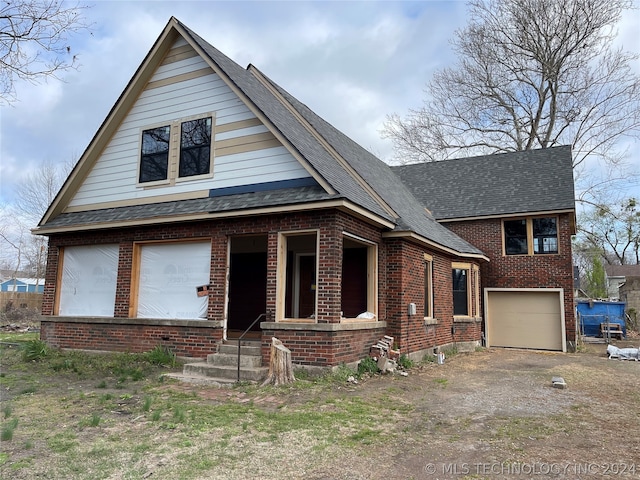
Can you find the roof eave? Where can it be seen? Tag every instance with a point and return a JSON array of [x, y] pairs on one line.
[[341, 204], [412, 236]]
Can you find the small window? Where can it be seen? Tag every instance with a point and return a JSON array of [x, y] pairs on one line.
[[545, 235], [154, 161], [428, 286], [195, 147], [461, 291]]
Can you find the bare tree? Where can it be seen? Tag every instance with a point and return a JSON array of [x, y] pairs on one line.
[[33, 195], [35, 191], [530, 74], [35, 41], [612, 229]]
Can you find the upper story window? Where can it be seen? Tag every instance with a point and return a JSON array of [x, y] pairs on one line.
[[195, 147], [154, 160], [161, 156], [531, 236], [545, 235]]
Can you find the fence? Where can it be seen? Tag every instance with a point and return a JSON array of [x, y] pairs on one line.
[[13, 300]]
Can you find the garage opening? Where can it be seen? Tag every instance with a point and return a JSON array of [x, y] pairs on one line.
[[527, 318]]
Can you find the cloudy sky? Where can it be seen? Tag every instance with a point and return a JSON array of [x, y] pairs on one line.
[[353, 63]]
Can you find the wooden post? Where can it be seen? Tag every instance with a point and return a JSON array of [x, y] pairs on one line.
[[280, 366]]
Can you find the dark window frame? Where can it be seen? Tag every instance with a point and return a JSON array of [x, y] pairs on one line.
[[182, 157], [461, 277], [540, 239]]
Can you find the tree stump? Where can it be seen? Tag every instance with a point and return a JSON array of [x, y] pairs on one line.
[[280, 366]]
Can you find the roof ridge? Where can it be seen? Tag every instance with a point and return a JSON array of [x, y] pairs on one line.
[[274, 88]]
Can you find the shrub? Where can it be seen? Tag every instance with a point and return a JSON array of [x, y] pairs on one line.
[[367, 365], [161, 355], [405, 362], [6, 435], [34, 350]]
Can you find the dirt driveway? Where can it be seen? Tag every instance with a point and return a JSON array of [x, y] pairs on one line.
[[494, 414]]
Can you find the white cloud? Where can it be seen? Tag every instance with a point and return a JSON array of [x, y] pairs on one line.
[[351, 62]]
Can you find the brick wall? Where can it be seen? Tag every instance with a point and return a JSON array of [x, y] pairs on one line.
[[400, 282], [522, 271], [405, 279], [191, 341], [128, 336], [323, 349]]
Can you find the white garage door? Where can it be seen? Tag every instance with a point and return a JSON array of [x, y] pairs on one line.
[[531, 318]]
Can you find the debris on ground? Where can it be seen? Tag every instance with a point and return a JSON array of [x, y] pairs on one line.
[[558, 382], [386, 356], [14, 327], [623, 353]]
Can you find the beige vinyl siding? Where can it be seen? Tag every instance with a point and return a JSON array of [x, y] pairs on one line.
[[248, 152]]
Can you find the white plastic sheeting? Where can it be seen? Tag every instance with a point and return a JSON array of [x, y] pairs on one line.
[[169, 275], [89, 281]]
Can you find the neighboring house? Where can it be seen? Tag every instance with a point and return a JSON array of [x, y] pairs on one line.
[[630, 294], [211, 197], [30, 285], [519, 209], [616, 276]]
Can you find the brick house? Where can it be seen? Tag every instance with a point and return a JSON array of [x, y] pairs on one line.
[[210, 198], [519, 209]]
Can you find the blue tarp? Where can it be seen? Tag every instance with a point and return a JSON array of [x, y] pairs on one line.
[[591, 313]]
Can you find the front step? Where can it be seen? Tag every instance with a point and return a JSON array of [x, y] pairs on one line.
[[228, 373], [223, 366]]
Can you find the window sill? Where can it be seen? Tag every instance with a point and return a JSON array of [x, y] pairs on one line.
[[323, 327], [466, 319], [430, 321], [357, 320]]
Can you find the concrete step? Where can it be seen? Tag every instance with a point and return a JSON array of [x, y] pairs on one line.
[[197, 379], [231, 360], [246, 348], [253, 374]]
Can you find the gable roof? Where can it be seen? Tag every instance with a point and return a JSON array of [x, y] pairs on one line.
[[347, 175], [524, 182], [622, 270]]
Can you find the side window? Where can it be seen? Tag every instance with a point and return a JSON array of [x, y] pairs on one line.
[[154, 157], [461, 291], [428, 286]]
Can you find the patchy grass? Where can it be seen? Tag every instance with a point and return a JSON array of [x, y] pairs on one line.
[[18, 337], [78, 416], [106, 414]]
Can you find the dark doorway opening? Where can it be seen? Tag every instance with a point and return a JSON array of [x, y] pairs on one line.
[[247, 284]]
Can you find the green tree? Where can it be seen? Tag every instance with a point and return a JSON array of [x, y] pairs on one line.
[[595, 285]]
